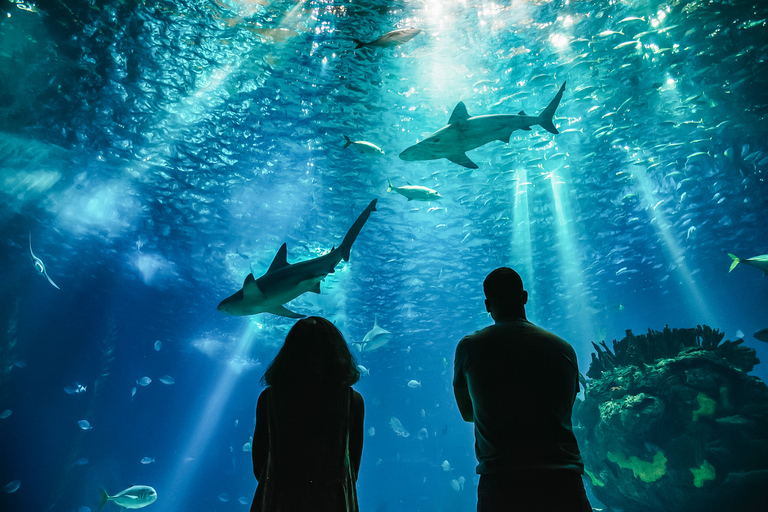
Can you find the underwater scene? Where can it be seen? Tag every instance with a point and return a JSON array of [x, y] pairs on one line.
[[162, 161]]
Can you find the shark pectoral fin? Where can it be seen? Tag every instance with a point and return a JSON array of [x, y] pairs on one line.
[[280, 260], [459, 114], [283, 311], [505, 138], [250, 288], [462, 160], [316, 288]]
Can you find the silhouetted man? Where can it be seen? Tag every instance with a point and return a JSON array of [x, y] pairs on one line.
[[517, 383]]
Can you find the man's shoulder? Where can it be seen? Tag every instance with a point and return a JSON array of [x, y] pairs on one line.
[[479, 334], [517, 328]]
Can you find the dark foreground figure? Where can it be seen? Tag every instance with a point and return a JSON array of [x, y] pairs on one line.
[[517, 383], [309, 424]]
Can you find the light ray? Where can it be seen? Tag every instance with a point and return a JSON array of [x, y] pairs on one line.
[[211, 414], [674, 251], [522, 254], [578, 309]]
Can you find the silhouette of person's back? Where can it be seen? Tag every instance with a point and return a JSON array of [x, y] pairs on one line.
[[308, 440], [517, 383]]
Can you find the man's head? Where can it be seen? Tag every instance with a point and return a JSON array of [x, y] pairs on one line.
[[504, 294]]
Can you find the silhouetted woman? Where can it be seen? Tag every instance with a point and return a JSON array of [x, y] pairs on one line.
[[309, 424]]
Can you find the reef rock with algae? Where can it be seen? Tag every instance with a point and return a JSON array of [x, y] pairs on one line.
[[671, 421]]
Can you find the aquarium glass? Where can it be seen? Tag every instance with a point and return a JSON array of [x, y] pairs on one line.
[[154, 153]]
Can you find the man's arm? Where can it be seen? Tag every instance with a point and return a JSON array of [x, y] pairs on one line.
[[465, 403], [460, 387]]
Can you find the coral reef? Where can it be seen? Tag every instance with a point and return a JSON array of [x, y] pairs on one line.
[[648, 348], [671, 420]]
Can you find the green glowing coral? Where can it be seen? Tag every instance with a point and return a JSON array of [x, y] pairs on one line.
[[645, 471], [703, 473], [595, 480], [706, 406]]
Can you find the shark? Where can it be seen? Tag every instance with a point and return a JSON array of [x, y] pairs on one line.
[[375, 338], [284, 281], [464, 133]]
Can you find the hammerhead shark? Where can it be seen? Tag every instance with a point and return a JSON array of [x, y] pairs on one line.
[[284, 281], [464, 133]]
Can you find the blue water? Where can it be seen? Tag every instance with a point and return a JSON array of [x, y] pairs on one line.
[[157, 153]]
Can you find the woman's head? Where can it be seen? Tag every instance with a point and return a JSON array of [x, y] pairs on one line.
[[314, 352]]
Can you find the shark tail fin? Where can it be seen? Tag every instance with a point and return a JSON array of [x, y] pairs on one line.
[[349, 238], [389, 188], [545, 118], [104, 499], [736, 261], [349, 142], [359, 43]]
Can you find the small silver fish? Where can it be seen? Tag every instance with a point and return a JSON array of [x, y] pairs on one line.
[[393, 38], [759, 262], [12, 486], [364, 147], [398, 427], [74, 388], [415, 192], [137, 496]]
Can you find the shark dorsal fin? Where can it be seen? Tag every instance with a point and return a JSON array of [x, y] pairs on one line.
[[522, 113], [459, 114], [280, 260]]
